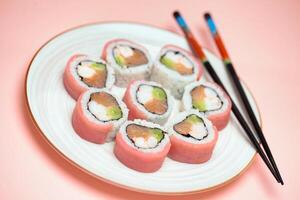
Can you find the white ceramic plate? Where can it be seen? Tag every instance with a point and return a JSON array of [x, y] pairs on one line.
[[51, 108]]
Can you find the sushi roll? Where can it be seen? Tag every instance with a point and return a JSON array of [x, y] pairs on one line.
[[97, 116], [142, 145], [209, 99], [148, 100], [174, 68], [83, 72], [193, 138], [130, 61]]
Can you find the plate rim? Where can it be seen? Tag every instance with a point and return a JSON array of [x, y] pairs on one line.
[[73, 163]]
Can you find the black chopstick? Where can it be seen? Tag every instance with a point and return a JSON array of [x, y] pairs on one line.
[[229, 66], [198, 52]]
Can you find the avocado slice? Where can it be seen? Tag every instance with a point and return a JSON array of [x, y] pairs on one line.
[[114, 112], [158, 134], [167, 62], [120, 60], [159, 93], [194, 119], [98, 66], [200, 105]]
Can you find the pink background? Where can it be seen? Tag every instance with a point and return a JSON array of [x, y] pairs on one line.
[[262, 37]]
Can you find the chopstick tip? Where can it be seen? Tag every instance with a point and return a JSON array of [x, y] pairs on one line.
[[179, 19], [207, 15], [176, 14]]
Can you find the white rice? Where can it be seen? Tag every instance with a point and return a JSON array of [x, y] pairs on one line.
[[171, 79], [126, 75], [98, 110], [144, 94], [116, 123], [182, 116], [85, 72], [187, 97], [110, 76], [123, 50], [155, 118], [140, 142], [144, 123]]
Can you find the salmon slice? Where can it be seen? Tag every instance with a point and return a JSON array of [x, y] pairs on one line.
[[183, 70], [138, 58], [198, 93], [153, 98], [104, 99], [98, 79], [157, 106], [138, 131], [184, 127], [134, 131]]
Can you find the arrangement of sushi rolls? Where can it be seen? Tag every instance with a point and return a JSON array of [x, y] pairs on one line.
[[83, 72], [97, 116], [148, 100], [193, 138], [209, 99], [130, 61], [142, 145], [135, 121], [174, 68]]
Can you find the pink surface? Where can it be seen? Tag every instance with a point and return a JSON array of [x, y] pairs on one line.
[[262, 37]]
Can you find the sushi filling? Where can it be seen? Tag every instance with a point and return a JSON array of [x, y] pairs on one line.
[[92, 73], [152, 98], [104, 107], [206, 99], [144, 137], [192, 126], [126, 56], [178, 62]]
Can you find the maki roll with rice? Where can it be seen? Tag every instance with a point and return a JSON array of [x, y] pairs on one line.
[[130, 61], [193, 138], [142, 145], [174, 68], [83, 72], [97, 116], [148, 100], [209, 99]]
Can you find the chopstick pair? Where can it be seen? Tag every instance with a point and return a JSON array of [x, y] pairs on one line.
[[229, 66], [198, 52]]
